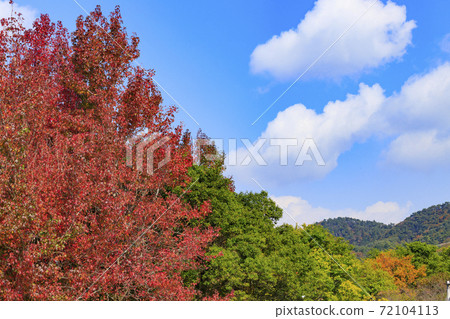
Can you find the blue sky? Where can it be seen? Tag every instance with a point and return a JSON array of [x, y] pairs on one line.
[[377, 104]]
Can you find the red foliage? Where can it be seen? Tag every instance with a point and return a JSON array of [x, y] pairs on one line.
[[69, 205]]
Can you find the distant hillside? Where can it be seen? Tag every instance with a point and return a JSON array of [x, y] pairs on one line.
[[430, 225], [357, 232]]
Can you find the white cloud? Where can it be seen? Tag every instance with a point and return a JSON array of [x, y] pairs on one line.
[[422, 103], [445, 43], [334, 131], [380, 36], [303, 212], [416, 119], [419, 119], [420, 150], [29, 14]]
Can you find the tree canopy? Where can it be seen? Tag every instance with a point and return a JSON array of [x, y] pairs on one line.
[[76, 222]]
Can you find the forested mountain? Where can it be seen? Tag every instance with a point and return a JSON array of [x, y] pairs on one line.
[[430, 225], [357, 232]]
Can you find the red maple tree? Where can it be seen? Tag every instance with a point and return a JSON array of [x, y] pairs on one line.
[[75, 221]]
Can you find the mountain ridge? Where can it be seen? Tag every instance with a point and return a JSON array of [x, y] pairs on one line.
[[430, 225]]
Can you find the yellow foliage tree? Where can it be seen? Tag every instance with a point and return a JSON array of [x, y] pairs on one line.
[[403, 271]]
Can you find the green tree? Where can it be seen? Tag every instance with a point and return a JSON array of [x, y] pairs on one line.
[[254, 258], [424, 254]]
